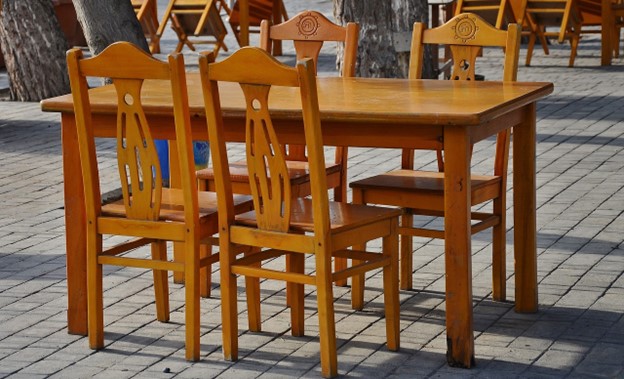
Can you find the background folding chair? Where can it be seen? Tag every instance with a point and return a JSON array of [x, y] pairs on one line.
[[591, 15], [563, 15], [422, 192], [273, 10], [195, 22], [147, 14], [148, 213], [500, 13], [496, 12], [281, 224]]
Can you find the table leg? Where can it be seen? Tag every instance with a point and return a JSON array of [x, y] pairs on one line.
[[459, 314], [525, 239], [75, 229], [244, 22], [175, 182], [606, 33]]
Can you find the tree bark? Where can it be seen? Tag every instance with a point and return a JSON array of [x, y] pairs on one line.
[[108, 21], [34, 50], [385, 34]]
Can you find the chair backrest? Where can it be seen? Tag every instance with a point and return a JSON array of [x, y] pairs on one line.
[[465, 35], [257, 72], [496, 12], [139, 169], [309, 30]]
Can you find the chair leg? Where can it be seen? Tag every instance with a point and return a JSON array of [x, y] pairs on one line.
[[440, 158], [191, 291], [95, 303], [229, 307], [327, 324], [357, 284], [530, 49], [407, 264], [391, 288], [616, 41], [574, 45], [340, 194], [252, 290], [543, 40], [297, 264], [499, 274], [339, 265], [357, 281], [291, 287], [161, 286], [205, 273]]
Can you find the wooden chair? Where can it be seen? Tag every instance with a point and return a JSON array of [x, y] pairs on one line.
[[195, 22], [307, 46], [284, 225], [147, 14], [273, 10], [501, 13], [147, 214], [591, 15], [496, 12], [560, 14], [422, 192]]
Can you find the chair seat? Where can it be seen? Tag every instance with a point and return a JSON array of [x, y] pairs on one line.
[[298, 171], [172, 208], [424, 189], [342, 216]]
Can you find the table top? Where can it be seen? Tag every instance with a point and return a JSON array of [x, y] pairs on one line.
[[433, 102]]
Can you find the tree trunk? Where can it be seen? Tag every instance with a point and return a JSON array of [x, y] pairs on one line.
[[108, 21], [34, 50], [385, 34]]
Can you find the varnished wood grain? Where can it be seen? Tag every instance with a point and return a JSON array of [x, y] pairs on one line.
[[282, 225], [357, 112]]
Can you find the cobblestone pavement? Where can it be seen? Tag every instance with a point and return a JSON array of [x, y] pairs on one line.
[[578, 331]]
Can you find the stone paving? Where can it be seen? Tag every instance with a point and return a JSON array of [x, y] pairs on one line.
[[578, 331]]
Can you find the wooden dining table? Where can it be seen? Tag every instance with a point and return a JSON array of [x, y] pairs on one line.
[[385, 113]]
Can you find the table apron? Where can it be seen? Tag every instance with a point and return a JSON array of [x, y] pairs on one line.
[[492, 127], [335, 133]]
